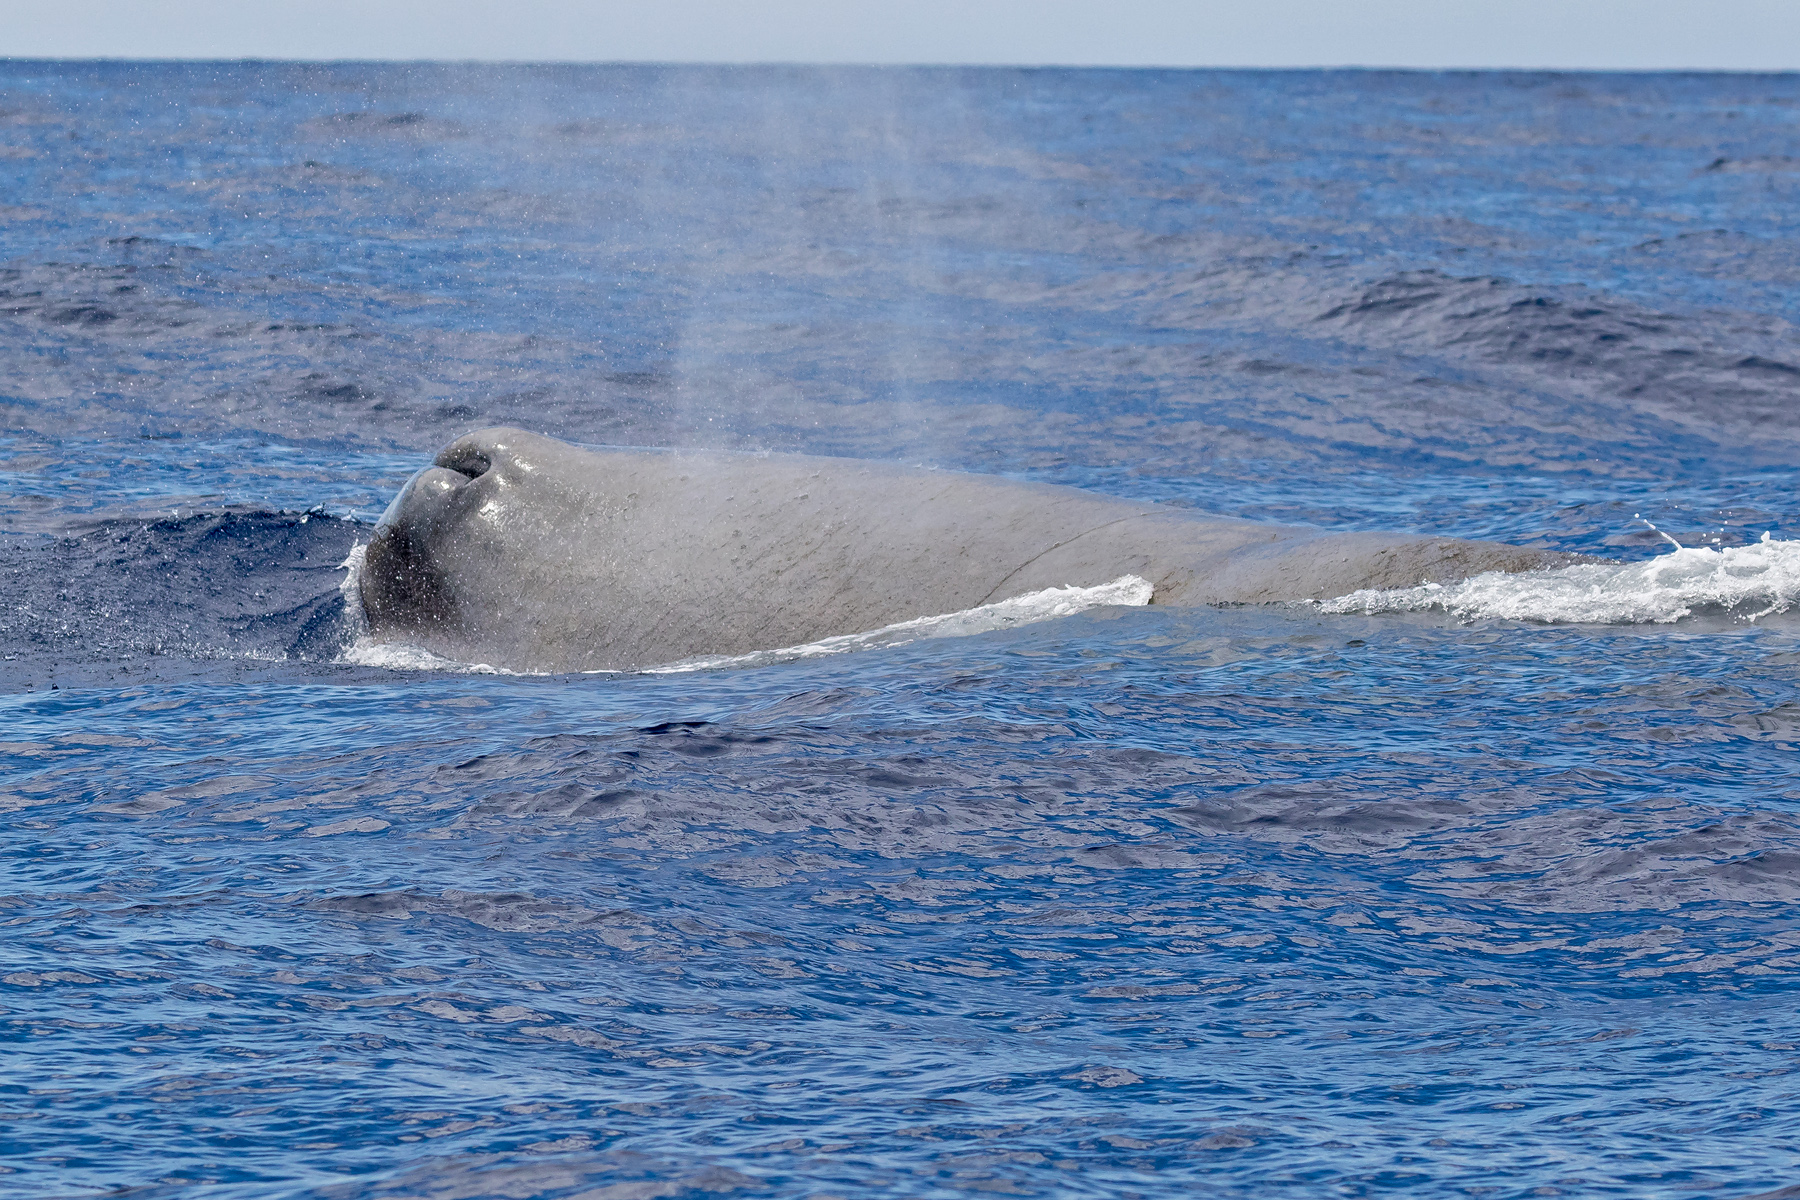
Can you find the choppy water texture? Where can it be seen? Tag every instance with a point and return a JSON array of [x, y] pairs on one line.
[[1429, 896]]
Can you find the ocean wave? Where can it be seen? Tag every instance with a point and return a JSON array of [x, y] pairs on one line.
[[1746, 582], [249, 584]]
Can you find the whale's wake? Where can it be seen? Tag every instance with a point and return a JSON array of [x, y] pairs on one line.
[[1044, 605], [1745, 582]]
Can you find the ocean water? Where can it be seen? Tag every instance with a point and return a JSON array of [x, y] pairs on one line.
[[1476, 891]]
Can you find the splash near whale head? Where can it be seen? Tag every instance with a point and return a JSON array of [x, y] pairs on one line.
[[529, 554]]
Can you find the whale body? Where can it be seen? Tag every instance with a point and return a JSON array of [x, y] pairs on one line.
[[531, 554]]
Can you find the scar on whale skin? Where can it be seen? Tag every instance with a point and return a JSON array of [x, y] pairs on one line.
[[532, 554]]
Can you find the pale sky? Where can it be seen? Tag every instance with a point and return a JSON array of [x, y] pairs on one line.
[[1618, 34]]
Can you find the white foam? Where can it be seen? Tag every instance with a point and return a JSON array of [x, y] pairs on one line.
[[350, 588], [400, 656], [1125, 591], [1746, 582]]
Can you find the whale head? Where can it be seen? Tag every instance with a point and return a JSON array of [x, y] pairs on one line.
[[453, 522]]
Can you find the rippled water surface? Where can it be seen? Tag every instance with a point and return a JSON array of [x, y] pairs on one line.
[[1421, 898]]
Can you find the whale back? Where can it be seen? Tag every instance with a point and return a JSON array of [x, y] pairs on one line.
[[532, 554]]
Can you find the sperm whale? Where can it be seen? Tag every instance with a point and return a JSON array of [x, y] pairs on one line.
[[532, 554]]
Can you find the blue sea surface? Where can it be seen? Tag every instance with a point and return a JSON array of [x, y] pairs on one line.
[[1144, 902]]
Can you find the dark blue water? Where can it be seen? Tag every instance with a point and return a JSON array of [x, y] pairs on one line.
[[1240, 902]]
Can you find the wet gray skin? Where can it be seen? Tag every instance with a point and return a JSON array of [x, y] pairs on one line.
[[532, 554]]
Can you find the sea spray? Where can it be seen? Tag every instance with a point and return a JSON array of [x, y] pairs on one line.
[[1746, 582]]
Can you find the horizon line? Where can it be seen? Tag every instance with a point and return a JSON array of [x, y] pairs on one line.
[[249, 60]]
